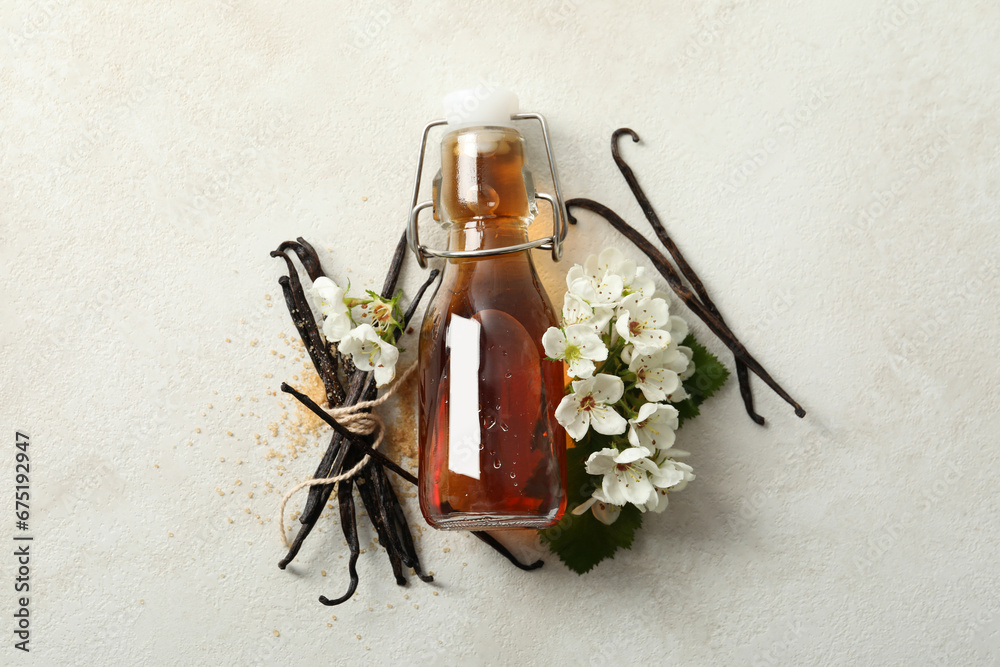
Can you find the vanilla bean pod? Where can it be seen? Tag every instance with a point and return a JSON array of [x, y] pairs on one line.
[[348, 522], [686, 295], [493, 542], [306, 254], [366, 491], [336, 452], [324, 362], [394, 530], [379, 518], [401, 527], [686, 271], [395, 266], [332, 460]]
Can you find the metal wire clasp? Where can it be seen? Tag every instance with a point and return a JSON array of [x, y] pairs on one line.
[[560, 218]]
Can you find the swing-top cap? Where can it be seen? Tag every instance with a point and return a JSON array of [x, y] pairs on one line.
[[480, 106]]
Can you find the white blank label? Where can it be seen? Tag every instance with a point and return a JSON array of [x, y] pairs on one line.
[[463, 398]]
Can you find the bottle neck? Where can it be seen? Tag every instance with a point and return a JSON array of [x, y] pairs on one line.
[[480, 194], [488, 234]]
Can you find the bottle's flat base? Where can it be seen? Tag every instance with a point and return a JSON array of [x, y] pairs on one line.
[[488, 521]]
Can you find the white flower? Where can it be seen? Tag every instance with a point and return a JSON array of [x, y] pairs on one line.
[[677, 358], [626, 474], [590, 405], [678, 395], [604, 511], [330, 296], [670, 476], [336, 321], [611, 260], [674, 359], [577, 311], [579, 345], [653, 377], [369, 352], [689, 366], [641, 284], [376, 311], [678, 328], [654, 426], [597, 290], [639, 322]]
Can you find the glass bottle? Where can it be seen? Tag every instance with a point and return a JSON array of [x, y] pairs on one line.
[[492, 454]]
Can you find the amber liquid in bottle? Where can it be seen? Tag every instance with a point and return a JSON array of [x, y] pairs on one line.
[[492, 454]]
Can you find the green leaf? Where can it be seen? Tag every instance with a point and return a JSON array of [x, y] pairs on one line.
[[709, 373], [581, 542], [686, 409]]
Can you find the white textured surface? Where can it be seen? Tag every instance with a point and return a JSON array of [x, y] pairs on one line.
[[151, 155]]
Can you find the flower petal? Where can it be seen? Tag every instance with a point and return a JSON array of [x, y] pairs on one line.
[[637, 491], [650, 340], [587, 341], [606, 513], [329, 295], [336, 326], [554, 342], [606, 421], [384, 374], [613, 490], [607, 388], [576, 310], [581, 368], [572, 418], [389, 354], [678, 328], [601, 462], [633, 435], [584, 506], [631, 454]]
